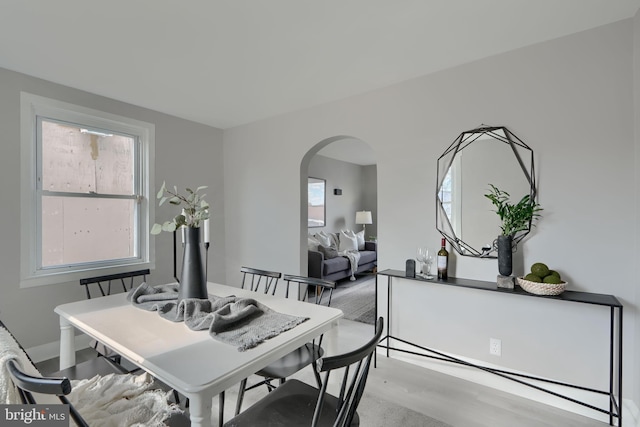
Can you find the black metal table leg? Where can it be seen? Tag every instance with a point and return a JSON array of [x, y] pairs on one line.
[[388, 312], [620, 366], [375, 353], [615, 363]]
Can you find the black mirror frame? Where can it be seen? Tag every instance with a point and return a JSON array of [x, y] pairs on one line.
[[443, 225]]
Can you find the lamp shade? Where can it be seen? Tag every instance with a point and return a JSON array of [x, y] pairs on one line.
[[363, 217]]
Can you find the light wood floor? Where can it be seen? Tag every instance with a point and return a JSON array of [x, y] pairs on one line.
[[452, 400], [462, 403]]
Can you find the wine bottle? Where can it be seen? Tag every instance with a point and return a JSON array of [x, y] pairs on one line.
[[443, 261]]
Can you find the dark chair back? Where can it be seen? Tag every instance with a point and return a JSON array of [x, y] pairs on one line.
[[297, 403], [301, 357], [356, 370], [312, 289], [103, 283], [28, 384], [260, 280]]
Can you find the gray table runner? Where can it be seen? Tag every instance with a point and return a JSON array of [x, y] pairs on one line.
[[241, 322]]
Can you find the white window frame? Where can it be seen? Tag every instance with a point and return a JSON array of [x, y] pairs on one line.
[[32, 106]]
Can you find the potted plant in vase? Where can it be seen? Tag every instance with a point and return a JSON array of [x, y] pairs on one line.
[[194, 215], [515, 218]]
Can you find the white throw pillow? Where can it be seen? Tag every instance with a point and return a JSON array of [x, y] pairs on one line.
[[347, 242], [359, 238], [323, 239], [312, 243]]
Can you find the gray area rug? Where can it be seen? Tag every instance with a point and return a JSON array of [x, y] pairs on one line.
[[379, 412], [356, 299]]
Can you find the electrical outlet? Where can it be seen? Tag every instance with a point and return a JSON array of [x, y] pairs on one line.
[[495, 346]]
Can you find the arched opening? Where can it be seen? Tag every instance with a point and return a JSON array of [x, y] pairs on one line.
[[348, 168]]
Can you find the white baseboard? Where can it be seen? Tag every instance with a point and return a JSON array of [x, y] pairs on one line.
[[630, 411], [51, 350]]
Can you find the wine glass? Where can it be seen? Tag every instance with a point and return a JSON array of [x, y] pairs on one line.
[[428, 261], [421, 257]]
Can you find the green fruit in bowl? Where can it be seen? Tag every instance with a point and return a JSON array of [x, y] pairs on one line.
[[540, 269], [552, 278], [553, 273], [532, 278]]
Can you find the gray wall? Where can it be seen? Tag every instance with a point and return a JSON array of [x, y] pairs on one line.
[[570, 99], [187, 154], [358, 184]]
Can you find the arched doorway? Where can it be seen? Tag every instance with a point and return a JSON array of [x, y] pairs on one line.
[[348, 168]]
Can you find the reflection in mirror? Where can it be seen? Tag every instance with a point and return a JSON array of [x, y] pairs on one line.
[[477, 158], [316, 202]]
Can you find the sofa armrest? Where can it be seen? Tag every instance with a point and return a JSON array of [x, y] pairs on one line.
[[315, 264], [371, 246]]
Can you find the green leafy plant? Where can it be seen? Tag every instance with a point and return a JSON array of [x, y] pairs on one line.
[[195, 209], [514, 217]]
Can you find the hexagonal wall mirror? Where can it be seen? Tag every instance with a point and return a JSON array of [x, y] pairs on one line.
[[476, 158]]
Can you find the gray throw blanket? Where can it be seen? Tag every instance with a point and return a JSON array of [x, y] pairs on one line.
[[241, 322]]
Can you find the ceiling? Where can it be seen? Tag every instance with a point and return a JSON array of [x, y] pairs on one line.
[[227, 63]]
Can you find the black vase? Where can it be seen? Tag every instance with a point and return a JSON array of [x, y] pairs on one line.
[[505, 255], [193, 283]]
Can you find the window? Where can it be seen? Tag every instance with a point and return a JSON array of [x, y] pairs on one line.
[[316, 200], [85, 188]]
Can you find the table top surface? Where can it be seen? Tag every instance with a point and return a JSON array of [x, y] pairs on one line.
[[192, 361], [573, 296]]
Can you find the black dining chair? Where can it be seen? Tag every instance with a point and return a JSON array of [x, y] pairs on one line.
[[56, 385], [104, 283], [107, 361], [254, 280], [260, 280], [309, 289], [296, 403], [100, 286], [27, 385]]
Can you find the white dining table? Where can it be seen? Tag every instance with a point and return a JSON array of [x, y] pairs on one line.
[[191, 362]]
